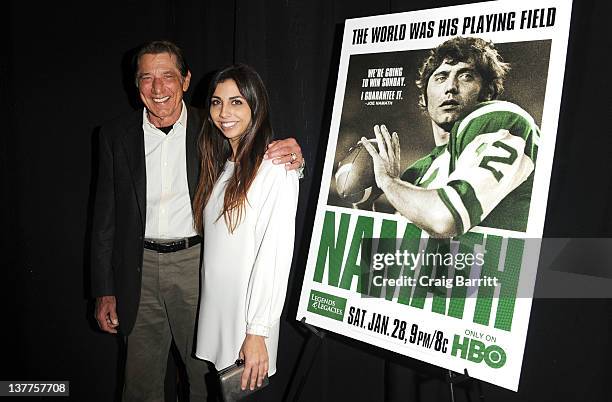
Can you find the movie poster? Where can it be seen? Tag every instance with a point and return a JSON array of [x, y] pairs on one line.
[[434, 190]]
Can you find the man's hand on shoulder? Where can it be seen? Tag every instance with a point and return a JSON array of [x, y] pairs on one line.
[[285, 151], [106, 314]]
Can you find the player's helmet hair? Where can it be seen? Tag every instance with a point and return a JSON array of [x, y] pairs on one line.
[[158, 47], [485, 56]]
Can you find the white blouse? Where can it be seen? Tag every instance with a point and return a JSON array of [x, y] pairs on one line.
[[245, 273]]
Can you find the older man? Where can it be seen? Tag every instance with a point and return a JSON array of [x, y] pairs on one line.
[[145, 250]]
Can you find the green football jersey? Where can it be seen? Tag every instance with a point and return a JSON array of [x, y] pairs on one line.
[[484, 174]]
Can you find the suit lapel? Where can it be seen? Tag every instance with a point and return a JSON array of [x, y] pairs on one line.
[[194, 124], [135, 153], [134, 150]]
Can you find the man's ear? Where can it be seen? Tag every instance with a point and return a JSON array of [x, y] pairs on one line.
[[186, 81]]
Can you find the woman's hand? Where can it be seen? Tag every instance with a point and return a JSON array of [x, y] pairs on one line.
[[256, 364]]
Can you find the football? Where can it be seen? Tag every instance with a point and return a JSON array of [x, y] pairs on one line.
[[355, 181]]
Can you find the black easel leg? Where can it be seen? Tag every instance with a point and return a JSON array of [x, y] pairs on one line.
[[451, 386], [454, 378], [315, 335]]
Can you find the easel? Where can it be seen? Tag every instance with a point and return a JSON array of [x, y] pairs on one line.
[[316, 338], [453, 378]]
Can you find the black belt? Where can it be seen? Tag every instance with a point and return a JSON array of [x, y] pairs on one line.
[[170, 246]]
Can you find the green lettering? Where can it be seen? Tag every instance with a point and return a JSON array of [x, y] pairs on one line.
[[364, 229], [386, 244], [410, 243], [435, 248], [467, 243], [508, 279], [331, 247]]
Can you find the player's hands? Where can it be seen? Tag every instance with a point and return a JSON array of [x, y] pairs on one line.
[[106, 314], [281, 151], [256, 363], [387, 158]]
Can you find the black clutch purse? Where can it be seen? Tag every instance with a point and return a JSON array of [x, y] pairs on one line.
[[230, 378]]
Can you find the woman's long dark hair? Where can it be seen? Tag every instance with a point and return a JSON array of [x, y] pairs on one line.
[[214, 147]]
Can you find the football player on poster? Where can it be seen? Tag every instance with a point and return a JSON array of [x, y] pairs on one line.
[[481, 169]]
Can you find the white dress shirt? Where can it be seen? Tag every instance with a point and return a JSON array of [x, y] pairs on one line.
[[169, 213], [245, 273]]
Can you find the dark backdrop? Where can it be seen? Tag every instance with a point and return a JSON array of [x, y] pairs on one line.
[[63, 73]]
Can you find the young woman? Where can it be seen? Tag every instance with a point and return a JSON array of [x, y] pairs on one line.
[[246, 207]]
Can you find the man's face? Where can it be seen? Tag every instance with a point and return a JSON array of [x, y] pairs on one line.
[[453, 90], [161, 87]]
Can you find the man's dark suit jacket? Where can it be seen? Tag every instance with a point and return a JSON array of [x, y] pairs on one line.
[[120, 208]]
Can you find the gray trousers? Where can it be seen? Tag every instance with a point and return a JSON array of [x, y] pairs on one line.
[[167, 311]]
